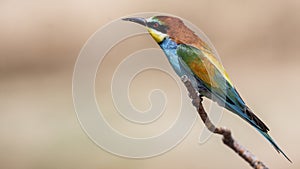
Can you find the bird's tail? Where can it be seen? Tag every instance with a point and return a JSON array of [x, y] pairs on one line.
[[251, 118], [262, 128], [269, 138], [239, 107]]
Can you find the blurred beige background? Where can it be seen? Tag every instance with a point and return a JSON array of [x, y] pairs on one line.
[[258, 42]]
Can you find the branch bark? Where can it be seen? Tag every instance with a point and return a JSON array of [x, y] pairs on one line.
[[226, 133]]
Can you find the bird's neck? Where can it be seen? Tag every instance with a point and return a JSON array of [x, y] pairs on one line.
[[169, 47], [168, 44]]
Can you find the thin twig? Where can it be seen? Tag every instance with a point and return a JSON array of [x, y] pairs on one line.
[[227, 137]]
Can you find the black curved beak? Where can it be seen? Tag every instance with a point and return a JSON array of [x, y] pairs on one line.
[[141, 21]]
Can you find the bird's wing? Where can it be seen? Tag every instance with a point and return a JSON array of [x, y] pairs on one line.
[[210, 72], [216, 81]]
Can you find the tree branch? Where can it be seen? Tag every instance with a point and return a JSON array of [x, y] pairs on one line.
[[226, 133]]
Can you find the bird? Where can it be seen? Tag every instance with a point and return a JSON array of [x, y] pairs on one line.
[[191, 56]]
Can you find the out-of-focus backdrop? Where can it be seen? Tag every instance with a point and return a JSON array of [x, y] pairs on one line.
[[258, 42]]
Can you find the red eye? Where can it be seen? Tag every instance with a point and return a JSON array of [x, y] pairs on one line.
[[155, 25]]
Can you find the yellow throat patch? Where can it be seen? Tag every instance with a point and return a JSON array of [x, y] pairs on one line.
[[157, 36]]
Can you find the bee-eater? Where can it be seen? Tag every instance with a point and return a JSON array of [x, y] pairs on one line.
[[189, 55]]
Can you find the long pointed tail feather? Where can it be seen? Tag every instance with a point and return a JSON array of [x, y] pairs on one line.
[[268, 137], [263, 129], [252, 119], [245, 113]]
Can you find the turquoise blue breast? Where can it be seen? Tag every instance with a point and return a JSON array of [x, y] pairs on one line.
[[169, 47]]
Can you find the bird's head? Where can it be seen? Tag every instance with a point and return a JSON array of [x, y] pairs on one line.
[[161, 27], [155, 25]]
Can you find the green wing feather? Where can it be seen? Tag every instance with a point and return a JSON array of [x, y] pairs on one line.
[[214, 79]]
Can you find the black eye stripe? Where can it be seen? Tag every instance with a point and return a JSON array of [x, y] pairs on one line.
[[157, 26]]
